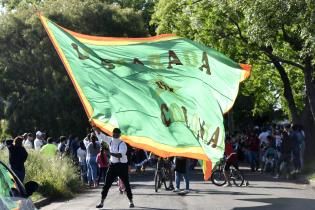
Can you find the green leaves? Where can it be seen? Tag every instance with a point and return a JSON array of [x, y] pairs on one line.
[[33, 80], [252, 32]]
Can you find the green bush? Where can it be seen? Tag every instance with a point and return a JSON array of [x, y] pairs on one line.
[[58, 177], [3, 130]]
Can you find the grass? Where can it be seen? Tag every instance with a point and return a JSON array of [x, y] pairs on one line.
[[3, 129], [36, 197], [58, 177], [312, 176]]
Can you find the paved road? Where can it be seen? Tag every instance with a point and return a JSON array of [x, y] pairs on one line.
[[263, 193]]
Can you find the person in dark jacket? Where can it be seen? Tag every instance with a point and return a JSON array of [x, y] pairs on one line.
[[181, 170], [286, 151], [17, 157]]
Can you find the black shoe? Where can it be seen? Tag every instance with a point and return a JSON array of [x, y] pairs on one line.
[[131, 205], [99, 206]]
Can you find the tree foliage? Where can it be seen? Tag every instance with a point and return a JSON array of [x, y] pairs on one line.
[[261, 33], [37, 92], [275, 36]]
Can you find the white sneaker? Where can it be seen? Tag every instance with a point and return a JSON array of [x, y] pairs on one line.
[[176, 190], [186, 191]]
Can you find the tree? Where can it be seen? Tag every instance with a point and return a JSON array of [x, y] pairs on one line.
[[34, 83], [145, 6], [276, 36]]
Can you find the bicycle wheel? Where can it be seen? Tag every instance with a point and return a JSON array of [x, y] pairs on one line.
[[217, 178], [157, 181], [168, 180], [237, 177]]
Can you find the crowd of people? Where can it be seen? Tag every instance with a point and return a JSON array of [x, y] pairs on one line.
[[94, 156], [89, 154], [277, 149]]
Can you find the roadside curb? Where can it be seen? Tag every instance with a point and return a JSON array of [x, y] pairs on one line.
[[42, 202]]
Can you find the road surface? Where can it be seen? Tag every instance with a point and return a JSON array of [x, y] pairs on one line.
[[263, 193]]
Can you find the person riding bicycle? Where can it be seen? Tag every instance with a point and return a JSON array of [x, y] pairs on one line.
[[231, 159]]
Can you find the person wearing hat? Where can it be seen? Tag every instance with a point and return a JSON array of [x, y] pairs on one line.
[[118, 166], [38, 143]]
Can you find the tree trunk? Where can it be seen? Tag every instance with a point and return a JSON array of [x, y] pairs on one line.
[[287, 89], [308, 126], [309, 85]]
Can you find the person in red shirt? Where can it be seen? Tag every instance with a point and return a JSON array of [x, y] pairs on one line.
[[102, 162], [231, 159], [253, 151]]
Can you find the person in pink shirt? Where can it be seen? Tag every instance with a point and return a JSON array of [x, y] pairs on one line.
[[102, 162]]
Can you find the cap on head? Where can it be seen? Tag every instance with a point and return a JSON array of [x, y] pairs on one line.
[[39, 133]]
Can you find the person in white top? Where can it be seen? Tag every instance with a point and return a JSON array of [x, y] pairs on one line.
[[86, 140], [28, 143], [81, 154], [263, 137], [118, 163], [38, 143]]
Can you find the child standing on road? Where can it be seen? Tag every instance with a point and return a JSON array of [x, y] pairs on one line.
[[102, 162]]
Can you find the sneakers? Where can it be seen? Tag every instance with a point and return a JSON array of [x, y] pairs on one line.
[[176, 190], [131, 205], [99, 206], [186, 191]]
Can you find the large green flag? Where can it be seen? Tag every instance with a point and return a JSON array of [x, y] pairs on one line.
[[166, 93]]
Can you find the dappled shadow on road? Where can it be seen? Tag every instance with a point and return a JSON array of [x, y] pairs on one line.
[[142, 207], [279, 203], [165, 194], [201, 192], [274, 187], [197, 176], [258, 176], [215, 192], [143, 180], [142, 186]]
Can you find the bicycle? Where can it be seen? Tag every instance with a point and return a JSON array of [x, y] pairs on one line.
[[163, 175], [217, 176]]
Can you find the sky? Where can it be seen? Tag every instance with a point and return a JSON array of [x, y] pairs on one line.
[[1, 9]]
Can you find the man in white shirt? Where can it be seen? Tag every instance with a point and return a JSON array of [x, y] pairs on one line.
[[28, 143], [118, 163], [38, 143]]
